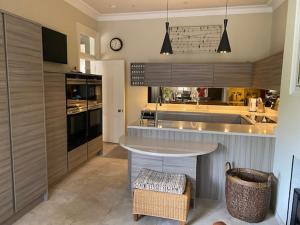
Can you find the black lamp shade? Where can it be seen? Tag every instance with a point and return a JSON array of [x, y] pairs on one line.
[[166, 48], [224, 46]]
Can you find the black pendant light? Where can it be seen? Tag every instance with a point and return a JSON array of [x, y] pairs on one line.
[[224, 46], [166, 48]]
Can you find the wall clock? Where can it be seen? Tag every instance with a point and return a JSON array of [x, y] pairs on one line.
[[116, 44]]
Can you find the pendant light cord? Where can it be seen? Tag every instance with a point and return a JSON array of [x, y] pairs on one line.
[[167, 10], [226, 9]]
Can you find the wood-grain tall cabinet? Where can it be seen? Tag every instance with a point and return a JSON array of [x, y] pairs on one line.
[[23, 164], [6, 188], [56, 123]]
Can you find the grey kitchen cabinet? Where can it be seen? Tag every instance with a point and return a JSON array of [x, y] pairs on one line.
[[233, 75], [192, 75], [56, 125], [267, 72], [6, 189], [158, 74], [27, 110]]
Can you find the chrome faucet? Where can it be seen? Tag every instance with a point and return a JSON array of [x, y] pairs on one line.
[[142, 118], [158, 100]]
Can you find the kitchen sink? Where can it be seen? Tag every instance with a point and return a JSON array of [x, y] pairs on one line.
[[260, 119]]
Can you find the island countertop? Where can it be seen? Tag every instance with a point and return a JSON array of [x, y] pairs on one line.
[[259, 130], [166, 147], [254, 129]]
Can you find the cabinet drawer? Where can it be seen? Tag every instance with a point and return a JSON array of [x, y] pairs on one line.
[[77, 156]]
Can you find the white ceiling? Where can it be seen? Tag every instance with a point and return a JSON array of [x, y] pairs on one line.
[[129, 6], [109, 10]]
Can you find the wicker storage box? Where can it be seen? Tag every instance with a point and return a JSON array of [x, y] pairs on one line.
[[164, 205], [248, 194]]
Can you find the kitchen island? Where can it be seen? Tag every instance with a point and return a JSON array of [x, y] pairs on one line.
[[249, 145]]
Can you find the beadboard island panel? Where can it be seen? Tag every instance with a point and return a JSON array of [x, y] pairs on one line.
[[256, 152]]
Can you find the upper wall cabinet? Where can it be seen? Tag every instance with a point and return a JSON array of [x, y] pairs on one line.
[[27, 110], [267, 72], [192, 75], [158, 74], [6, 191], [233, 75]]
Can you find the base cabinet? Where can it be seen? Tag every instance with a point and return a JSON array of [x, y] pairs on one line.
[[77, 156], [95, 146]]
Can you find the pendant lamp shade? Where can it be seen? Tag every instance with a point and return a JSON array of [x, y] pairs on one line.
[[224, 46], [166, 48]]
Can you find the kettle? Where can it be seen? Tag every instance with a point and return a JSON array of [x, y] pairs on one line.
[[252, 104]]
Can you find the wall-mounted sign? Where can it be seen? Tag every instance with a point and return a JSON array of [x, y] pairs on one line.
[[195, 39]]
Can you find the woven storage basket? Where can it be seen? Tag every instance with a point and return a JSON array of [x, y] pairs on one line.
[[164, 205], [248, 193]]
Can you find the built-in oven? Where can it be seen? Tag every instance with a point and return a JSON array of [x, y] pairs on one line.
[[77, 109], [76, 90], [94, 91], [94, 96], [77, 129], [94, 123]]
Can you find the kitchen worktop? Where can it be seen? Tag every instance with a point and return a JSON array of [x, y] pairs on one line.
[[238, 110], [260, 130], [251, 129], [166, 147]]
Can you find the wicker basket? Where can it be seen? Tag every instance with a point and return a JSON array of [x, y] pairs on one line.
[[248, 193], [164, 205]]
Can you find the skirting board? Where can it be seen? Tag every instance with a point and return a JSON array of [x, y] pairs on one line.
[[24, 211]]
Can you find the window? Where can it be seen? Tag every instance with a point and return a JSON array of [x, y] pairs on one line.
[[87, 47]]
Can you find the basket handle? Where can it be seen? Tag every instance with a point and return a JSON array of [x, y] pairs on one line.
[[270, 178], [228, 166]]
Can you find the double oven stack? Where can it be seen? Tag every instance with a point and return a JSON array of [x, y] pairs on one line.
[[84, 115]]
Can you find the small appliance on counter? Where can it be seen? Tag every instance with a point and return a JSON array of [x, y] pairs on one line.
[[260, 106], [252, 105]]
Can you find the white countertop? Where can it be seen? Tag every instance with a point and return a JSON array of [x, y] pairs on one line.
[[238, 110], [256, 129], [165, 148]]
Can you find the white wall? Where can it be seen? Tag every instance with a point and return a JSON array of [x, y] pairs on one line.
[[250, 37], [278, 28], [55, 14], [288, 132]]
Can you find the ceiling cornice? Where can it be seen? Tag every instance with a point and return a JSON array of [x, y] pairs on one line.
[[185, 13], [85, 8], [234, 10], [275, 3]]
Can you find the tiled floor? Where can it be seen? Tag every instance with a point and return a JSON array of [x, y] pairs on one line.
[[96, 194]]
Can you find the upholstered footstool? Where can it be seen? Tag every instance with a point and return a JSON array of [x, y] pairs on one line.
[[161, 195]]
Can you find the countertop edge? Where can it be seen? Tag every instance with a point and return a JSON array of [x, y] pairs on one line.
[[204, 131]]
